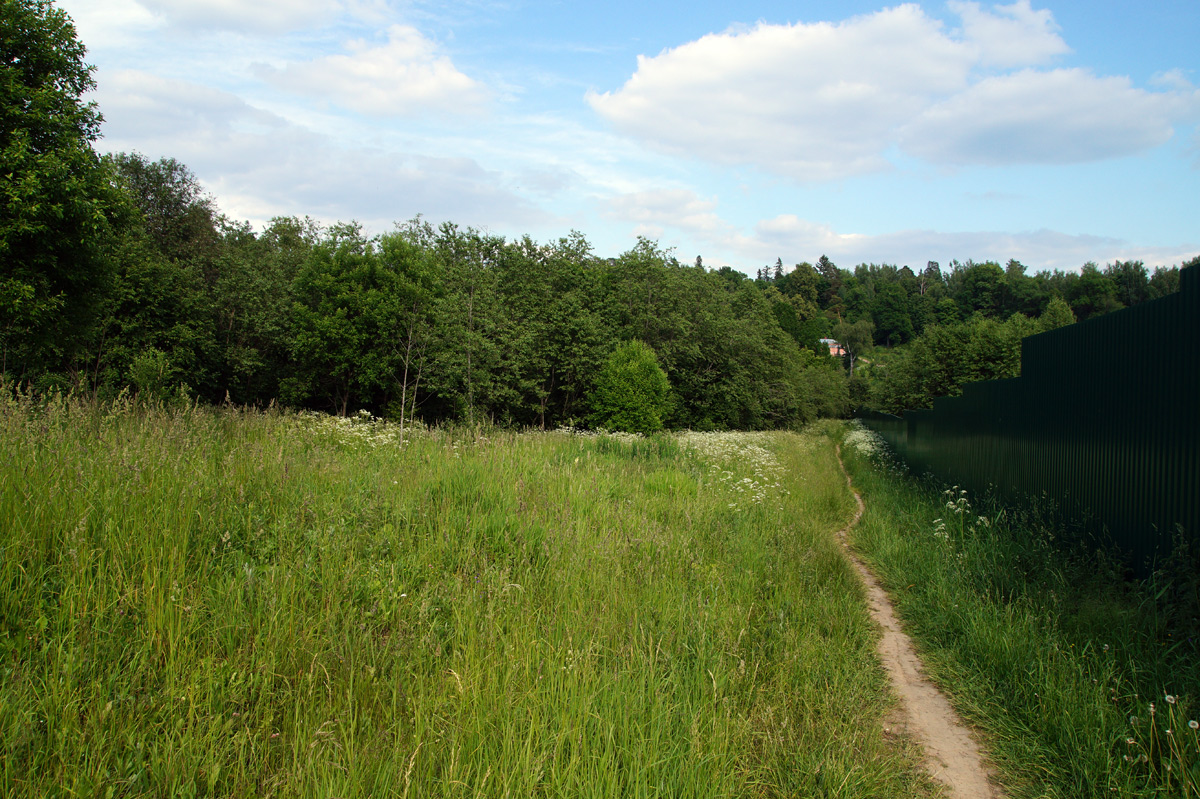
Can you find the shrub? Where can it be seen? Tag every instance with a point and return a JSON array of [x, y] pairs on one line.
[[631, 390]]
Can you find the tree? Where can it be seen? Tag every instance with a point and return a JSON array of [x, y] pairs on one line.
[[1057, 314], [854, 338], [893, 320], [802, 285], [59, 207], [831, 281], [1131, 280], [977, 287], [344, 310], [557, 346], [631, 390], [414, 288], [1093, 293], [253, 306], [178, 216], [1165, 280], [468, 353], [930, 276]]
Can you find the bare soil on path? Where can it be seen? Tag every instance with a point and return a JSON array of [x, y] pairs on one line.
[[951, 755]]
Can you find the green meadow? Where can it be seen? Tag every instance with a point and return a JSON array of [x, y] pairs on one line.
[[218, 602]]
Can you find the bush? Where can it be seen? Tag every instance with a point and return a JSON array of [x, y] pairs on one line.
[[631, 390]]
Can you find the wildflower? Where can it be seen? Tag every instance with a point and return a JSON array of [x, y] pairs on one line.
[[1195, 725], [1151, 708], [1170, 699], [1129, 741], [1106, 647]]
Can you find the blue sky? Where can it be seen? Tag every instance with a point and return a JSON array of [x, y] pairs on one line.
[[1056, 133]]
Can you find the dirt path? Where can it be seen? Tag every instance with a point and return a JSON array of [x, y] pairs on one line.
[[951, 755]]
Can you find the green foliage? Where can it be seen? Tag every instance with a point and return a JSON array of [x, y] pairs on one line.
[[892, 315], [59, 204], [855, 338], [631, 391], [976, 287], [345, 307], [939, 361], [151, 374], [1092, 294], [1058, 314], [177, 217]]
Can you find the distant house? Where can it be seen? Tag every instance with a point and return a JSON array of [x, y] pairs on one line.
[[835, 349]]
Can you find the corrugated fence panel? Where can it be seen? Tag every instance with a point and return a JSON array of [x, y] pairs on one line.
[[1104, 421]]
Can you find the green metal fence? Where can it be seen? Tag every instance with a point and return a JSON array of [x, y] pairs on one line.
[[1104, 421]]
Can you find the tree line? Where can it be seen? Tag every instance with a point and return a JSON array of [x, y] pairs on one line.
[[121, 273], [948, 327]]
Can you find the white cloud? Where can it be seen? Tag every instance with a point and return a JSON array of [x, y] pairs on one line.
[[405, 75], [1060, 116], [249, 16], [118, 23], [260, 165], [678, 208], [825, 101], [810, 101], [1014, 36]]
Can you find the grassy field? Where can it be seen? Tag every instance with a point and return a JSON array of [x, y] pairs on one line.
[[1087, 685], [227, 603]]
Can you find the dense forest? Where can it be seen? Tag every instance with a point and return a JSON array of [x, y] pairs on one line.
[[120, 273]]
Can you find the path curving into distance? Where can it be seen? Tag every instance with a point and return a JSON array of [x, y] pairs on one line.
[[951, 755]]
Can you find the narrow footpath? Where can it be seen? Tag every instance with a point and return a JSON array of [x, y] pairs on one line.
[[951, 755]]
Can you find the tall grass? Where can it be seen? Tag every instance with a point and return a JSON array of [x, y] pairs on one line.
[[1086, 682], [229, 603]]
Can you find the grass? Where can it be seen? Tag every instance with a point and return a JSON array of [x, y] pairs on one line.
[[230, 603], [1086, 684]]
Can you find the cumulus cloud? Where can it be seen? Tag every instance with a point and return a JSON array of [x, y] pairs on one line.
[[824, 101], [1012, 36], [810, 101], [260, 165], [1060, 116], [404, 75]]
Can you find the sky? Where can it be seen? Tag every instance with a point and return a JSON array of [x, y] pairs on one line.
[[1055, 133]]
